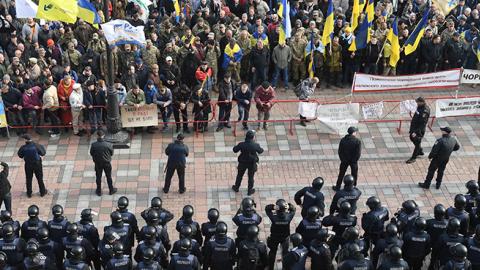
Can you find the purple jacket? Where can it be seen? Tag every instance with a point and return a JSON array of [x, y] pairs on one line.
[[30, 101]]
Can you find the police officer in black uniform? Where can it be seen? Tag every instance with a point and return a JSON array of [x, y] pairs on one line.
[[150, 242], [459, 260], [148, 262], [435, 227], [382, 246], [32, 154], [245, 217], [183, 260], [105, 247], [309, 226], [73, 240], [162, 233], [252, 253], [349, 193], [394, 260], [311, 196], [195, 249], [128, 217], [123, 230], [35, 260], [181, 98], [356, 260], [164, 215], [472, 196], [177, 153], [458, 211], [6, 218], [439, 156], [87, 229], [102, 152], [49, 248], [30, 227], [220, 250], [451, 237], [405, 218], [416, 244], [187, 220], [417, 128], [349, 152], [119, 260], [209, 228], [352, 237], [296, 257], [76, 259], [13, 246], [57, 227], [374, 220], [320, 251], [473, 245], [247, 160], [280, 214], [340, 222]]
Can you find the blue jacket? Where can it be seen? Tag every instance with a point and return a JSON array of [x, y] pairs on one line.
[[31, 152]]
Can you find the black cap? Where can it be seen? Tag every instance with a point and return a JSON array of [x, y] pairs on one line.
[[27, 137], [351, 130], [420, 99], [446, 129]]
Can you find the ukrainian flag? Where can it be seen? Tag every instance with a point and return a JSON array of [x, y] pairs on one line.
[[87, 11], [445, 6], [412, 42], [311, 64], [371, 11], [361, 38], [355, 14], [329, 25], [58, 10], [395, 45], [286, 27], [176, 5], [231, 54]]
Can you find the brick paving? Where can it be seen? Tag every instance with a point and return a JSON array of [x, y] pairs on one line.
[[290, 162]]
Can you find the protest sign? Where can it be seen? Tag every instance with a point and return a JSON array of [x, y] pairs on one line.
[[408, 106], [470, 76], [456, 107], [307, 109], [143, 116], [337, 118], [372, 110], [119, 32]]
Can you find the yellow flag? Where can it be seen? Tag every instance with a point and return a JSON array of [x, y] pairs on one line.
[[355, 14], [58, 10]]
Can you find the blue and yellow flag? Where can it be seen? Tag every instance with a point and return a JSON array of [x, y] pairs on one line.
[[445, 6], [478, 52], [231, 54], [58, 10], [311, 64], [412, 42], [355, 14], [395, 45], [87, 11], [371, 11], [328, 27], [360, 40], [286, 27], [176, 5]]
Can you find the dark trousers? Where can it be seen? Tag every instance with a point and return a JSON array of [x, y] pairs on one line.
[[414, 263], [243, 114], [54, 120], [99, 169], [35, 116], [438, 166], [272, 243], [37, 169], [166, 113], [169, 174], [224, 114], [176, 115], [241, 169], [7, 199], [343, 169], [417, 142], [95, 118]]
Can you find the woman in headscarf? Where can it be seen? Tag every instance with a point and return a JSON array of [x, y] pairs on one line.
[[64, 91]]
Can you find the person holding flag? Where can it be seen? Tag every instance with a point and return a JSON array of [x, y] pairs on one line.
[[328, 27], [391, 50], [298, 46], [232, 56]]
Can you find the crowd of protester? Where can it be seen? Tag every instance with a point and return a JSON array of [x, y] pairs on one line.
[[61, 69]]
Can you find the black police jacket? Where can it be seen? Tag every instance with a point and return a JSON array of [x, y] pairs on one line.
[[419, 121], [70, 264], [249, 151], [177, 153], [406, 221], [295, 259], [194, 250], [388, 264], [126, 235], [382, 245], [208, 230], [349, 195], [162, 235], [123, 263], [52, 250], [339, 223], [308, 230], [130, 219], [37, 262], [220, 253], [458, 265], [416, 244], [88, 230], [161, 255], [321, 255], [374, 221], [4, 183], [473, 256], [184, 262], [14, 249], [105, 250], [30, 228], [445, 241], [101, 151], [280, 227], [443, 148], [349, 149], [151, 265], [196, 233], [359, 263], [252, 255], [57, 229], [15, 224], [311, 197], [461, 215], [243, 222], [435, 228]]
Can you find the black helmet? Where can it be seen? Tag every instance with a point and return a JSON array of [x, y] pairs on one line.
[[247, 204], [420, 224], [345, 207], [118, 249], [153, 216], [460, 201], [459, 251], [213, 215], [5, 215], [221, 228], [7, 230], [122, 203], [313, 212], [3, 259], [186, 231], [156, 202], [110, 236], [354, 249], [439, 211], [409, 206], [453, 225], [252, 232], [317, 183], [472, 186], [282, 205], [322, 235], [32, 247], [77, 252], [296, 239], [149, 232], [57, 210], [86, 214], [350, 234], [72, 228], [116, 217], [373, 202], [395, 253], [33, 211], [348, 180], [391, 230], [42, 234], [187, 212], [185, 244], [148, 254], [250, 134]]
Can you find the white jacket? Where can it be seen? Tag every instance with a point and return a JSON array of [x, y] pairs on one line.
[[76, 100]]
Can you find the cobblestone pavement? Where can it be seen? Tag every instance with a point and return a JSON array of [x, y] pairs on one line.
[[290, 162]]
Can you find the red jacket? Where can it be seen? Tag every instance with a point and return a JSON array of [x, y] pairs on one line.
[[263, 96], [202, 75], [30, 101]]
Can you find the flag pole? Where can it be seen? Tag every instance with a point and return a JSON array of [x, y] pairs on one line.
[[381, 51]]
